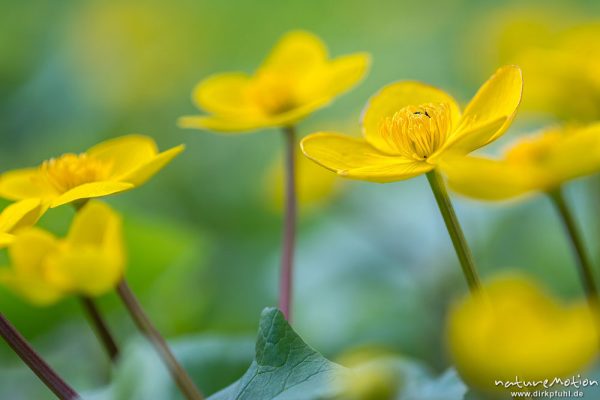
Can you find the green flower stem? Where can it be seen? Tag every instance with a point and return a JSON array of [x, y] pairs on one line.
[[454, 230], [289, 225], [101, 328], [583, 261], [30, 357], [182, 379]]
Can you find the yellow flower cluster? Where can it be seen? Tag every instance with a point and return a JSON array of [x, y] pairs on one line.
[[90, 260]]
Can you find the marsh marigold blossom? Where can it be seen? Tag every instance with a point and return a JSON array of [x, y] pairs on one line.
[[539, 163], [296, 79], [89, 261], [558, 51], [408, 126], [517, 330], [109, 167]]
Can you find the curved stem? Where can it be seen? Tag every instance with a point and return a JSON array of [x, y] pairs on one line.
[[30, 357], [101, 328], [289, 225], [182, 379], [585, 266], [454, 230]]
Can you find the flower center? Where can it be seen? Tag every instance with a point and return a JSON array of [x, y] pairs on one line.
[[416, 132], [71, 170], [272, 93]]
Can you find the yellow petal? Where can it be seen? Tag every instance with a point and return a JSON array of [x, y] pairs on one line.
[[499, 97], [86, 270], [125, 153], [6, 239], [91, 223], [396, 96], [21, 214], [576, 155], [346, 71], [247, 125], [474, 138], [221, 124], [92, 260], [91, 190], [334, 78], [226, 95], [296, 54], [37, 292], [29, 249], [148, 170], [355, 158], [27, 276], [487, 179], [25, 184]]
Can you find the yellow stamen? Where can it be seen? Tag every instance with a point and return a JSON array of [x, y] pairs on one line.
[[71, 170], [416, 132]]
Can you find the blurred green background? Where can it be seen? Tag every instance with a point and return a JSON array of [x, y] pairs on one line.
[[374, 266]]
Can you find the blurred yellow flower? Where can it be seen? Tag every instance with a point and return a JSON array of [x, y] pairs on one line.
[[372, 377], [109, 167], [19, 215], [539, 163], [296, 79], [558, 51], [516, 330], [408, 126], [314, 184], [89, 261]]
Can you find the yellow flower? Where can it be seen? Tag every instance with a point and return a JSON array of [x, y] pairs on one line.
[[517, 330], [539, 163], [296, 79], [19, 215], [314, 185], [408, 127], [110, 167], [373, 375], [89, 261], [557, 50]]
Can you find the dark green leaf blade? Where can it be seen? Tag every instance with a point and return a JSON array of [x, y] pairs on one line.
[[284, 368]]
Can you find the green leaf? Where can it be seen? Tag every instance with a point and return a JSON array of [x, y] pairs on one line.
[[284, 368]]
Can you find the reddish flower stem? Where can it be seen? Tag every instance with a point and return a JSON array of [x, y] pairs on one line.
[[289, 225], [30, 357], [101, 328], [180, 376]]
